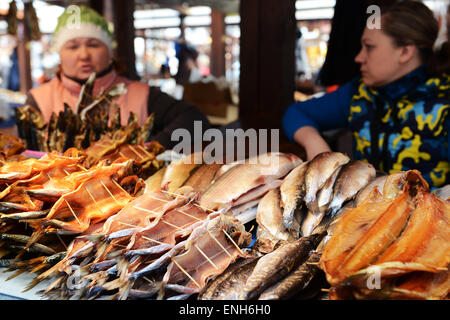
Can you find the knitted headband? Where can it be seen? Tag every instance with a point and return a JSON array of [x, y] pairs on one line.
[[81, 21]]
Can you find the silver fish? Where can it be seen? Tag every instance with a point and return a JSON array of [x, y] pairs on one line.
[[276, 265], [318, 172], [227, 286], [292, 192], [242, 178], [352, 178], [270, 215], [325, 194], [311, 221], [295, 282]]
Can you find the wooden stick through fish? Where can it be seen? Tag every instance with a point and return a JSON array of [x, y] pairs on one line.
[[118, 185], [148, 154], [93, 199], [206, 257], [185, 272], [231, 239], [146, 210], [170, 224], [220, 245], [106, 188], [73, 212], [127, 224], [150, 239], [134, 150], [120, 152], [189, 215], [176, 194], [60, 239]]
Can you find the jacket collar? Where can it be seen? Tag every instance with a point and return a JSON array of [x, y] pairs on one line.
[[104, 82], [403, 85]]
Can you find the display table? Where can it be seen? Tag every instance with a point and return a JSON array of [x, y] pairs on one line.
[[12, 289]]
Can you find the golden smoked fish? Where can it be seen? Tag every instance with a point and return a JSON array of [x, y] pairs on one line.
[[177, 172], [349, 230], [376, 240]]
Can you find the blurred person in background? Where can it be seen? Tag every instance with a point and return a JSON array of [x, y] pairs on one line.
[[86, 48]]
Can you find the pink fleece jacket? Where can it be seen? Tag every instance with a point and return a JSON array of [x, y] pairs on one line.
[[51, 96]]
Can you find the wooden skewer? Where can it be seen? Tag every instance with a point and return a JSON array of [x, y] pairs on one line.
[[134, 150], [172, 193], [60, 239], [82, 168], [325, 290], [146, 210], [120, 152], [73, 212], [119, 245], [155, 198], [150, 239], [66, 172], [95, 202], [185, 272], [170, 224], [189, 215], [106, 188], [145, 151], [206, 257], [231, 239], [127, 224], [220, 245], [148, 280], [120, 187], [312, 263]]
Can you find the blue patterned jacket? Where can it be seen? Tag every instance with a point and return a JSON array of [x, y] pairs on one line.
[[401, 126]]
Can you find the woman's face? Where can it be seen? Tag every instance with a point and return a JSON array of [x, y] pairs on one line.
[[380, 59], [82, 56]]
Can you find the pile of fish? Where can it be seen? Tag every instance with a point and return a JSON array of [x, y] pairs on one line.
[[160, 235], [161, 245], [313, 190], [181, 232], [293, 225], [45, 202], [95, 117], [394, 244], [10, 146]]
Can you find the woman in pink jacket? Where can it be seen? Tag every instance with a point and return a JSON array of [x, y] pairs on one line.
[[84, 44]]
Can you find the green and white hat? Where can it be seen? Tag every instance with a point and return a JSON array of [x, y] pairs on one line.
[[81, 21]]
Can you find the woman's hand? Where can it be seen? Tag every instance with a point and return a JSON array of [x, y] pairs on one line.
[[310, 139]]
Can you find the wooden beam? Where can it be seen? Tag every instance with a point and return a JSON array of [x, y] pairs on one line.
[[267, 59], [124, 31], [23, 55], [218, 43]]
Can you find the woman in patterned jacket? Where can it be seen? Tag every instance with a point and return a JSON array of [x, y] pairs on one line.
[[397, 110]]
